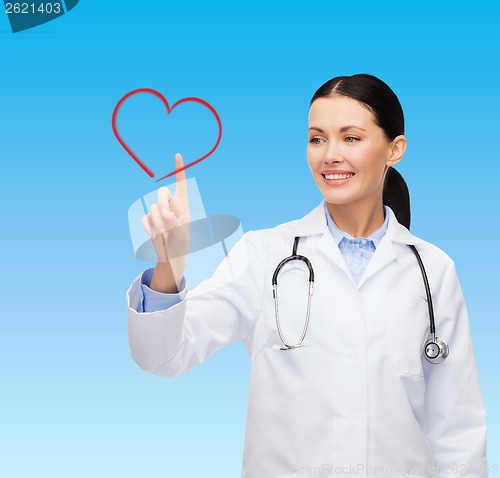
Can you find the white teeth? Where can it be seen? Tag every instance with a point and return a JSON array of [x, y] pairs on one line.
[[338, 176]]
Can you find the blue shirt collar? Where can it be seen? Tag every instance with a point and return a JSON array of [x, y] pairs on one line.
[[338, 234]]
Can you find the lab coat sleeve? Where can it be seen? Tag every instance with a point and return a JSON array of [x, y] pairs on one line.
[[219, 311], [455, 410], [153, 300]]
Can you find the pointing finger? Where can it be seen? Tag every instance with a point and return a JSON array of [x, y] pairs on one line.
[[180, 177]]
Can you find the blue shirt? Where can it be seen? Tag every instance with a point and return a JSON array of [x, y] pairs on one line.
[[357, 253]]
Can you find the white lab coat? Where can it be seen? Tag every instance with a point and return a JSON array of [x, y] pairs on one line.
[[360, 400]]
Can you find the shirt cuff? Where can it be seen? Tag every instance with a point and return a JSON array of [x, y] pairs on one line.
[[154, 300]]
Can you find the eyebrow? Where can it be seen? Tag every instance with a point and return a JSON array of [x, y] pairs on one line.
[[341, 130]]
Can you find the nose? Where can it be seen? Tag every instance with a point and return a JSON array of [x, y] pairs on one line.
[[332, 153]]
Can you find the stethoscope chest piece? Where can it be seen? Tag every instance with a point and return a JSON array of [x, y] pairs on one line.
[[436, 350]]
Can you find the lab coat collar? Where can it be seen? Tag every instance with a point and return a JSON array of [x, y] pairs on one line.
[[315, 223]]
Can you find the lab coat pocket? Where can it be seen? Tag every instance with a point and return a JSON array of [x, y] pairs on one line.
[[407, 328]]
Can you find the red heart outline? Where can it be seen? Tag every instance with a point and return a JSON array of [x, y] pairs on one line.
[[169, 109]]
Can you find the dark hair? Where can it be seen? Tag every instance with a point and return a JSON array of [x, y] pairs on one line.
[[383, 103]]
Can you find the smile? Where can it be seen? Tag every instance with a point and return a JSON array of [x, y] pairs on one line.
[[337, 176]]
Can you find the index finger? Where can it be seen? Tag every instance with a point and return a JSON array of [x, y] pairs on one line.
[[180, 177]]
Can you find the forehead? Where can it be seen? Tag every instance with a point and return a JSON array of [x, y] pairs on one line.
[[338, 111]]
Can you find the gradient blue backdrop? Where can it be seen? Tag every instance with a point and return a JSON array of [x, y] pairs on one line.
[[73, 402]]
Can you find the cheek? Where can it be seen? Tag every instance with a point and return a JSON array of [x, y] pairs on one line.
[[311, 165], [368, 161], [313, 156], [308, 156]]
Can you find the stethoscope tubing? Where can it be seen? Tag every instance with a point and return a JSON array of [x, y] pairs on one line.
[[432, 325], [435, 349]]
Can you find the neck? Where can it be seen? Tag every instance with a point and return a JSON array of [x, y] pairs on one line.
[[359, 220]]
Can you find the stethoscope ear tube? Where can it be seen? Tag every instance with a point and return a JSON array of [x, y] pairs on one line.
[[293, 257], [305, 343]]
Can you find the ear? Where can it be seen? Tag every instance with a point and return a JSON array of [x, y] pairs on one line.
[[397, 150]]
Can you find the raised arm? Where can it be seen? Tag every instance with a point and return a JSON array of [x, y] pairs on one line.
[[167, 224]]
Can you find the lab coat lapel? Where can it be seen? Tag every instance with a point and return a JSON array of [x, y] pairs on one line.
[[385, 252], [314, 223], [327, 247]]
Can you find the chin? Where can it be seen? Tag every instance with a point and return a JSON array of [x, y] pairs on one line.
[[337, 197], [336, 201]]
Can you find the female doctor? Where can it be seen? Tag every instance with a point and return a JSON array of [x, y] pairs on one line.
[[340, 383]]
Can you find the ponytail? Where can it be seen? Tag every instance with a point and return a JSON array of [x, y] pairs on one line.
[[397, 196]]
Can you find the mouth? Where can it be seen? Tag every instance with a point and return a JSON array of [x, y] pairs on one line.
[[337, 179]]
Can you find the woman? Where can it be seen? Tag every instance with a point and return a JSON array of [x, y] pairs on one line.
[[356, 396]]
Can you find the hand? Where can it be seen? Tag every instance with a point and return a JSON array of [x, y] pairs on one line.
[[167, 224]]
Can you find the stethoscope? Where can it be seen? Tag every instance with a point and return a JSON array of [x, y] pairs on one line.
[[435, 349]]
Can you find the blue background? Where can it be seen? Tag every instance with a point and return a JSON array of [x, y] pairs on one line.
[[73, 402]]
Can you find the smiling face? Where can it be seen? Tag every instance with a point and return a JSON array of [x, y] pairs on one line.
[[344, 137]]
